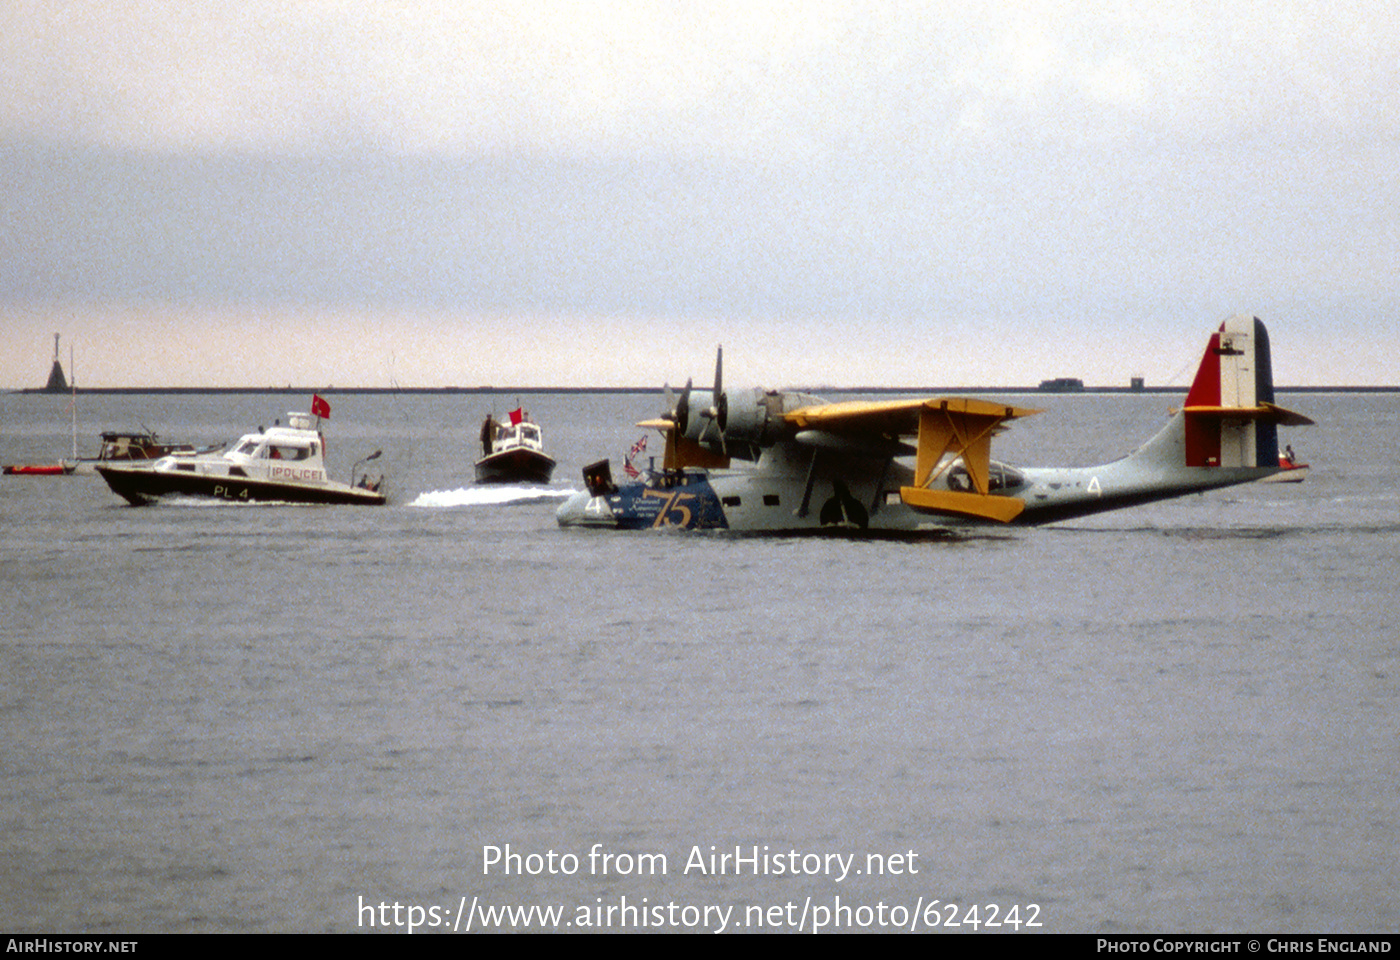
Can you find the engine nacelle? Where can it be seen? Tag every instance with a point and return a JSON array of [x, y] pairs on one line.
[[752, 419]]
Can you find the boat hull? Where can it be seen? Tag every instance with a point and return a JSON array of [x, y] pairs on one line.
[[140, 486], [1289, 471], [88, 467], [515, 466]]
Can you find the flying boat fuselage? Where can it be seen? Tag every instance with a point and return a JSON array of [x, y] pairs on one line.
[[909, 466]]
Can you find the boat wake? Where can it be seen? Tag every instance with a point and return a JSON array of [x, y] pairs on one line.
[[487, 496]]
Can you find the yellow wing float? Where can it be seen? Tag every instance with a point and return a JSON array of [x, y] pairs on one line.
[[949, 430]]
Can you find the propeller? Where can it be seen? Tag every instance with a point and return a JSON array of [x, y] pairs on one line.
[[682, 416], [717, 414], [674, 422]]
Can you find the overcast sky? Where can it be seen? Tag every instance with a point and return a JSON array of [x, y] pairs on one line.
[[563, 193]]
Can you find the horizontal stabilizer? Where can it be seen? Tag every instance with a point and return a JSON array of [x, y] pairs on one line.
[[1266, 412], [1002, 509]]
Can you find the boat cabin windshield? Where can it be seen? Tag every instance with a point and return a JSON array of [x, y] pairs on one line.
[[256, 449], [121, 446], [287, 451], [518, 434]]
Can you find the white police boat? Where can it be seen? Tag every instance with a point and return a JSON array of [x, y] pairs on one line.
[[280, 464]]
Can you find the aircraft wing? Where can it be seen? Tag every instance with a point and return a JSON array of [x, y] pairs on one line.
[[895, 418], [949, 429]]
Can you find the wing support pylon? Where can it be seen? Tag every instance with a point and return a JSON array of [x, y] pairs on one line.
[[961, 430], [949, 430]]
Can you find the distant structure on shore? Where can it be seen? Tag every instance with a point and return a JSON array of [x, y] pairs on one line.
[[1075, 385], [58, 383]]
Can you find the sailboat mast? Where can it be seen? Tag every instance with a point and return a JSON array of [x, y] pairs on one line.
[[73, 403]]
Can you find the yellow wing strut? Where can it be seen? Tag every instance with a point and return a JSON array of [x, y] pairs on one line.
[[960, 429]]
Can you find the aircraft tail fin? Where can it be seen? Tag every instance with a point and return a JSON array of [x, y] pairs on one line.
[[1230, 416]]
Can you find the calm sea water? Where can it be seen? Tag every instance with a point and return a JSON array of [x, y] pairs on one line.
[[220, 718]]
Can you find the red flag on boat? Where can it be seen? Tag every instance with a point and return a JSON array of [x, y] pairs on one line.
[[319, 407], [516, 416]]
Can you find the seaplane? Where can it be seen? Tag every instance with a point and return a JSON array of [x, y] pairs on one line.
[[916, 466]]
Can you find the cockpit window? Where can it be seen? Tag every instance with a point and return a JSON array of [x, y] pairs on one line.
[[999, 477]]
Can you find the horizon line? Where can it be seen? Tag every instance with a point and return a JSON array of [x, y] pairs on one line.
[[817, 389]]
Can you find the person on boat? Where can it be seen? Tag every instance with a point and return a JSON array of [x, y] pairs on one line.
[[1288, 454], [488, 434]]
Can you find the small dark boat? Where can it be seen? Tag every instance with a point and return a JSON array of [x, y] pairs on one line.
[[513, 452], [132, 447], [1289, 470]]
